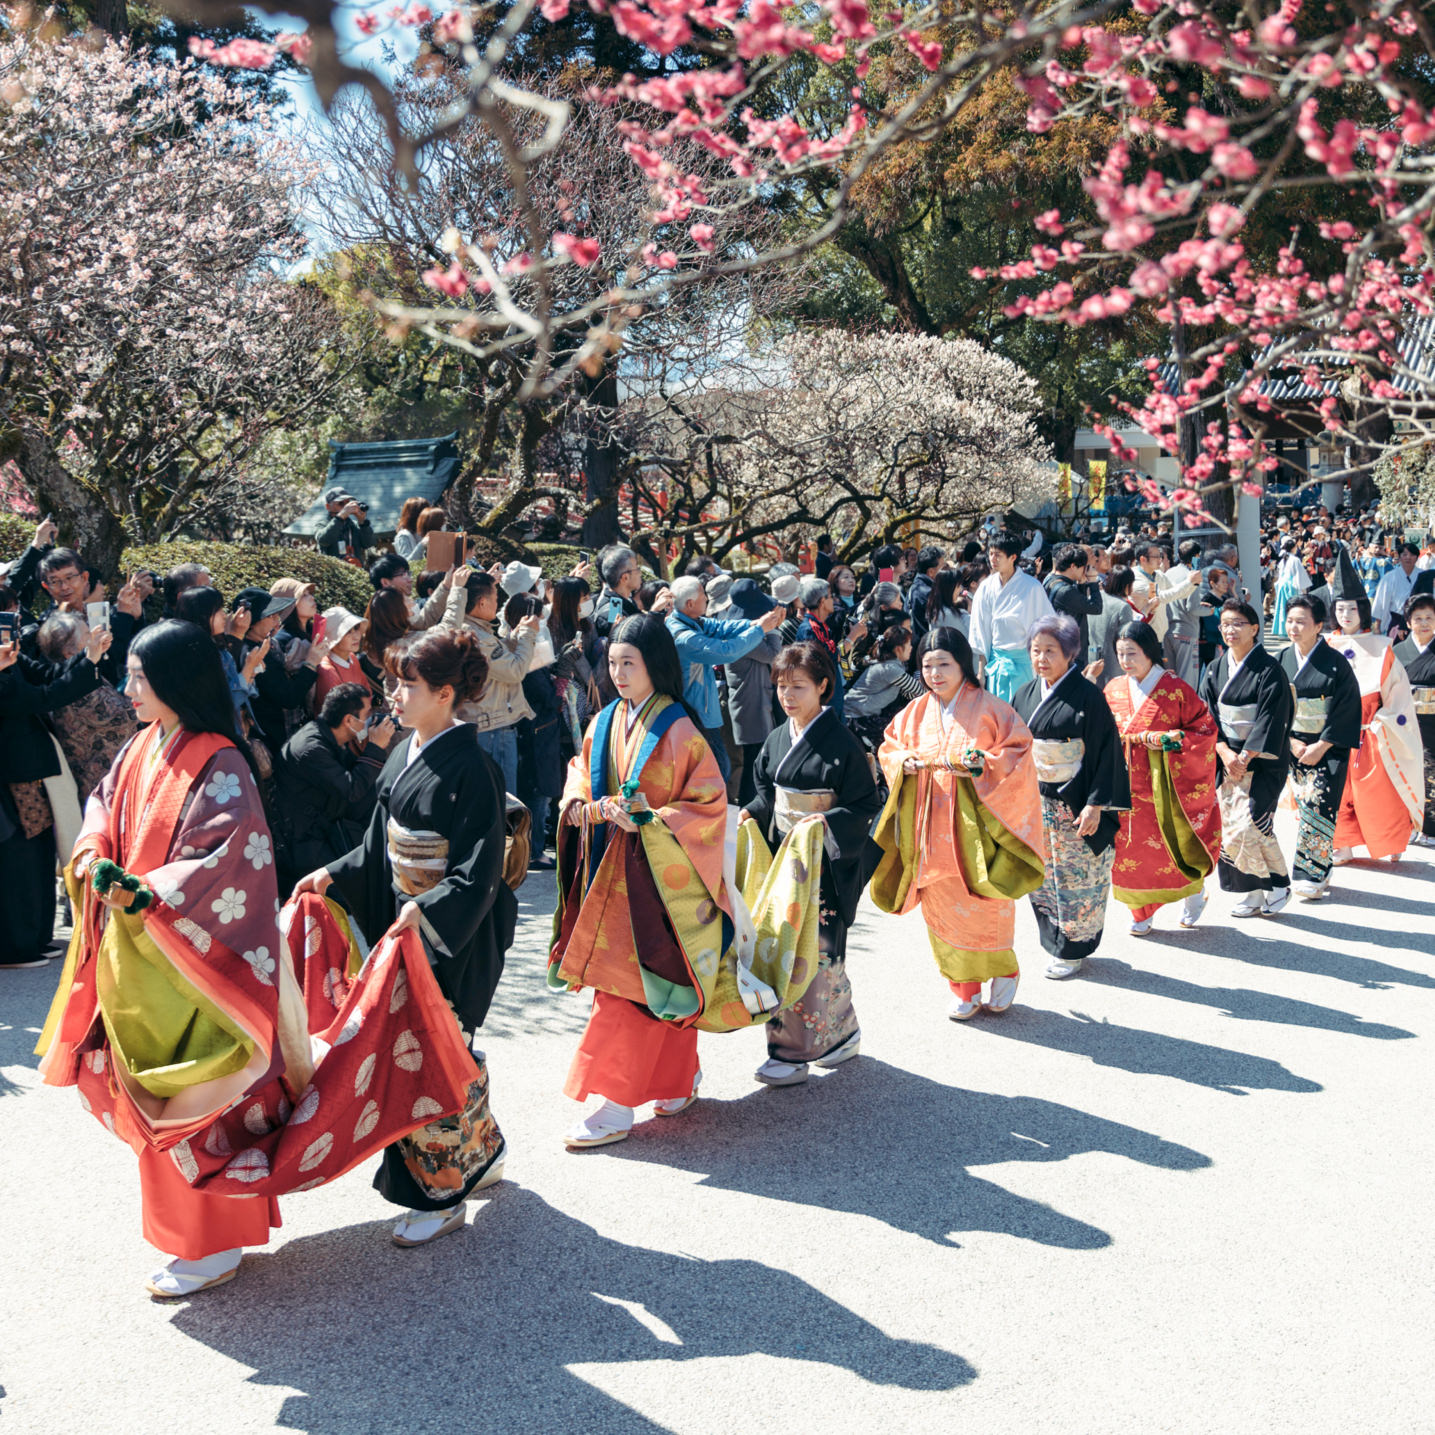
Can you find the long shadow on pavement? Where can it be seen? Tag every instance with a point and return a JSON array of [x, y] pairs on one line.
[[480, 1331], [874, 1140], [1240, 1002], [1297, 956], [1147, 1053]]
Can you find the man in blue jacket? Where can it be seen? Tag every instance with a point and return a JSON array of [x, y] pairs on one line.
[[702, 643]]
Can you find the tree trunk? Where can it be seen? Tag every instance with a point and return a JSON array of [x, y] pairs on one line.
[[882, 259], [600, 462], [113, 17], [85, 523], [1374, 429]]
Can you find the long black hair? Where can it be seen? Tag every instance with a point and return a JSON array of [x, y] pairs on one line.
[[181, 664], [1144, 636], [198, 606], [948, 640], [648, 633]]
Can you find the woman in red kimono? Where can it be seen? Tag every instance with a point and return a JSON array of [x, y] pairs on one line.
[[1171, 838], [643, 915], [961, 833], [179, 1015]]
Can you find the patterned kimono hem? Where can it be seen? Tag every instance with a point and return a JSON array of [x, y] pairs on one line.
[[1070, 904], [965, 964], [1134, 897]]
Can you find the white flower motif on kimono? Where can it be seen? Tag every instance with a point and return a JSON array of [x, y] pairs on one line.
[[223, 787], [229, 905], [170, 894], [256, 850], [260, 962]]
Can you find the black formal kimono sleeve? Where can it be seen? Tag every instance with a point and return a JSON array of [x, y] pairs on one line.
[[1270, 731], [1343, 709]]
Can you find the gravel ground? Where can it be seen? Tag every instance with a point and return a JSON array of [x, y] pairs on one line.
[[1187, 1192]]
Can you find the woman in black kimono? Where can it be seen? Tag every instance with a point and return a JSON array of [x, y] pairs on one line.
[[1249, 697], [433, 860], [1324, 730], [1081, 771], [813, 764], [1417, 653]]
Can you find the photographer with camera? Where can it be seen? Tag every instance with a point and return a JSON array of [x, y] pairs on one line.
[[348, 534], [331, 765]]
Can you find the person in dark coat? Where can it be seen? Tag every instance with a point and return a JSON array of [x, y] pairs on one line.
[[28, 755], [540, 756], [811, 764], [1417, 653], [332, 764], [929, 560], [1073, 590], [749, 683], [346, 532]]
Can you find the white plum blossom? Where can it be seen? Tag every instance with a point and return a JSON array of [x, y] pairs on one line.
[[257, 850], [261, 964], [229, 905], [223, 787]]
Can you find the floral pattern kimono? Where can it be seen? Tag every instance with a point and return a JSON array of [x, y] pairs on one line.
[[962, 847], [183, 1024], [1170, 840]]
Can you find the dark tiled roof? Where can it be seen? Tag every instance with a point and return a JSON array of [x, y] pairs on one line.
[[384, 475]]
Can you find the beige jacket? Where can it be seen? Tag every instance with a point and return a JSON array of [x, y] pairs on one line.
[[501, 703]]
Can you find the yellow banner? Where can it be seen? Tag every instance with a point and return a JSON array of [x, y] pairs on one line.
[[1096, 484], [1063, 487]]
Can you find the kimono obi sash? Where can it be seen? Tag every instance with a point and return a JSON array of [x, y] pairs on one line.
[[792, 806], [1424, 700], [419, 859], [1310, 715], [1237, 718], [1057, 761]]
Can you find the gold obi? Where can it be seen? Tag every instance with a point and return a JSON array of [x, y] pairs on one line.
[[418, 859], [1057, 762], [1310, 716], [792, 806], [1237, 718], [1424, 700]]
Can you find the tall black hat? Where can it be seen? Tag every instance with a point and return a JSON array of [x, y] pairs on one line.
[[1345, 584]]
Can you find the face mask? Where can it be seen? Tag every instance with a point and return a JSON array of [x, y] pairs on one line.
[[585, 608]]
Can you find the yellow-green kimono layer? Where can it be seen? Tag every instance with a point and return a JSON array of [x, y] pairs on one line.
[[648, 916], [962, 847]]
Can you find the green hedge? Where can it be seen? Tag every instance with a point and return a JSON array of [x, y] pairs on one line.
[[15, 536], [233, 566]]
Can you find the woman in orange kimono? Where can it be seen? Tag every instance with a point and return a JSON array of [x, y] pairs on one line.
[[1385, 784], [179, 1015], [1170, 840], [643, 915], [961, 833]]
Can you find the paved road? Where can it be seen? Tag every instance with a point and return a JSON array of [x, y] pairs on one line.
[[1190, 1192]]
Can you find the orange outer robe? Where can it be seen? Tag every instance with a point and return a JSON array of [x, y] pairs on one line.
[[978, 843], [1385, 784], [640, 1044]]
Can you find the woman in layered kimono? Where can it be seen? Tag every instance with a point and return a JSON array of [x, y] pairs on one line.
[[432, 862], [812, 765], [961, 833], [1169, 841], [179, 1015], [1417, 653], [1250, 699], [643, 915], [1082, 777], [1385, 784], [1324, 731]]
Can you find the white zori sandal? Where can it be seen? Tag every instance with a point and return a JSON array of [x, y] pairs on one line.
[[600, 1127], [678, 1103], [179, 1278], [418, 1228]]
